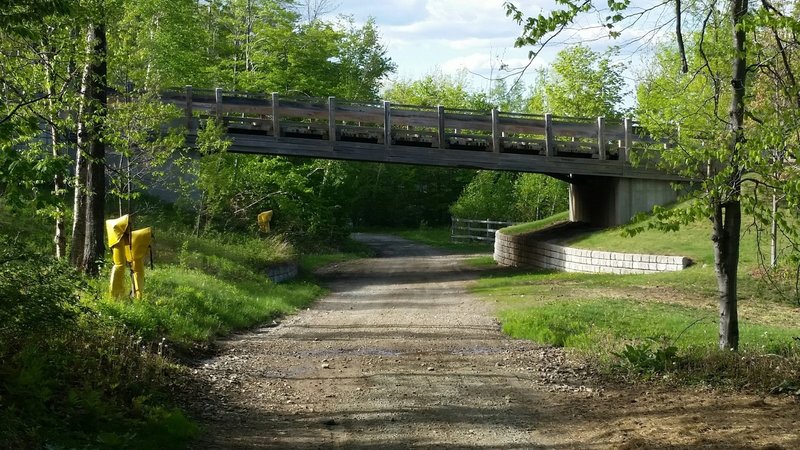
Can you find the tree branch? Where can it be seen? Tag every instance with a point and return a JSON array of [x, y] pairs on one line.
[[679, 36]]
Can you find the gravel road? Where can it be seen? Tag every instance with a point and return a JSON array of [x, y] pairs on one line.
[[400, 355]]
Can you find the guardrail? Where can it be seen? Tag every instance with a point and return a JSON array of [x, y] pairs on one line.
[[475, 230]]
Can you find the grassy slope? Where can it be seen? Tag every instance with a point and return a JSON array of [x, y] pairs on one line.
[[537, 225], [200, 289], [206, 287], [601, 314]]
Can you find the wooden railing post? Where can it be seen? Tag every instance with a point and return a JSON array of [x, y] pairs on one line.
[[626, 150], [189, 113], [387, 123], [496, 137], [218, 97], [601, 139], [332, 119], [276, 120], [441, 135], [549, 141]]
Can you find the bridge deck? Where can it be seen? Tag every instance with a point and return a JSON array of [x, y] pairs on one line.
[[406, 134]]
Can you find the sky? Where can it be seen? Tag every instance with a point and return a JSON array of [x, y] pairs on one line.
[[452, 35]]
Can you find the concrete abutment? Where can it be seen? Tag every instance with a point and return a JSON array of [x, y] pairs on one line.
[[608, 202]]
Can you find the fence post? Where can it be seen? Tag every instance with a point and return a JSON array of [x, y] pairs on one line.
[[332, 119], [496, 141], [387, 123], [440, 117], [549, 142], [189, 107], [218, 98], [601, 138], [276, 120], [626, 151]]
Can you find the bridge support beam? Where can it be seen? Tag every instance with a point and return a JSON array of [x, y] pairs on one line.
[[608, 202]]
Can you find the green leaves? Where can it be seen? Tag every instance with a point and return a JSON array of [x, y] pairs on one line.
[[512, 197], [580, 83], [536, 29]]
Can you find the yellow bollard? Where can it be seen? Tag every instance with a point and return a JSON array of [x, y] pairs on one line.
[[118, 240], [263, 220], [140, 244]]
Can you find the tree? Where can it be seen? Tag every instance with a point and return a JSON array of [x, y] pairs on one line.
[[511, 197], [437, 88], [580, 83], [88, 245], [362, 61], [158, 44], [37, 68], [725, 157]]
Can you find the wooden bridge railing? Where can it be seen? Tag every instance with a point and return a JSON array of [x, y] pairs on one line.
[[385, 123]]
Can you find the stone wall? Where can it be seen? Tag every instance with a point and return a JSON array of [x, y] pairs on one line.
[[282, 272], [525, 251]]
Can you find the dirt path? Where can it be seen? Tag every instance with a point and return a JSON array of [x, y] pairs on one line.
[[400, 355]]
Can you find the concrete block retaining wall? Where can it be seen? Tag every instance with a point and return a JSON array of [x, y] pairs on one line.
[[282, 272], [524, 251]]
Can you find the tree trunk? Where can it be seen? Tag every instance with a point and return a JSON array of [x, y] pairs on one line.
[[85, 112], [727, 221], [773, 242], [59, 236], [727, 218], [92, 150], [78, 205]]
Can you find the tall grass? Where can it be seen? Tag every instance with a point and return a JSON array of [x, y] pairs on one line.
[[188, 307]]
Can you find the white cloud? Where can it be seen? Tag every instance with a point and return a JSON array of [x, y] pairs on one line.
[[453, 35]]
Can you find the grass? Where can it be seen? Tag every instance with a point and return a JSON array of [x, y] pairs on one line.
[[100, 379], [206, 287], [351, 250], [189, 307], [627, 322], [438, 237], [537, 225]]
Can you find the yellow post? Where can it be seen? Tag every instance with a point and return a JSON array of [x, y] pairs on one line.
[[263, 220], [140, 243], [118, 240]]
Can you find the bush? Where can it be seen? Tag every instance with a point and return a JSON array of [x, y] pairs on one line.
[[37, 296], [70, 377], [512, 197]]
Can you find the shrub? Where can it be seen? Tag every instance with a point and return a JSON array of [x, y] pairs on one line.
[[70, 377]]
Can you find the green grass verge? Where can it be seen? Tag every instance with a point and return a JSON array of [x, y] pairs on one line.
[[610, 323], [537, 225], [692, 240], [664, 324], [189, 307]]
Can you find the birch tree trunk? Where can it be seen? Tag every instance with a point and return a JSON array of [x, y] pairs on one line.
[[90, 216], [59, 236]]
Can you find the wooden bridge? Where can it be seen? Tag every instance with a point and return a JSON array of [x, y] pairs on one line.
[[590, 153], [437, 136]]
